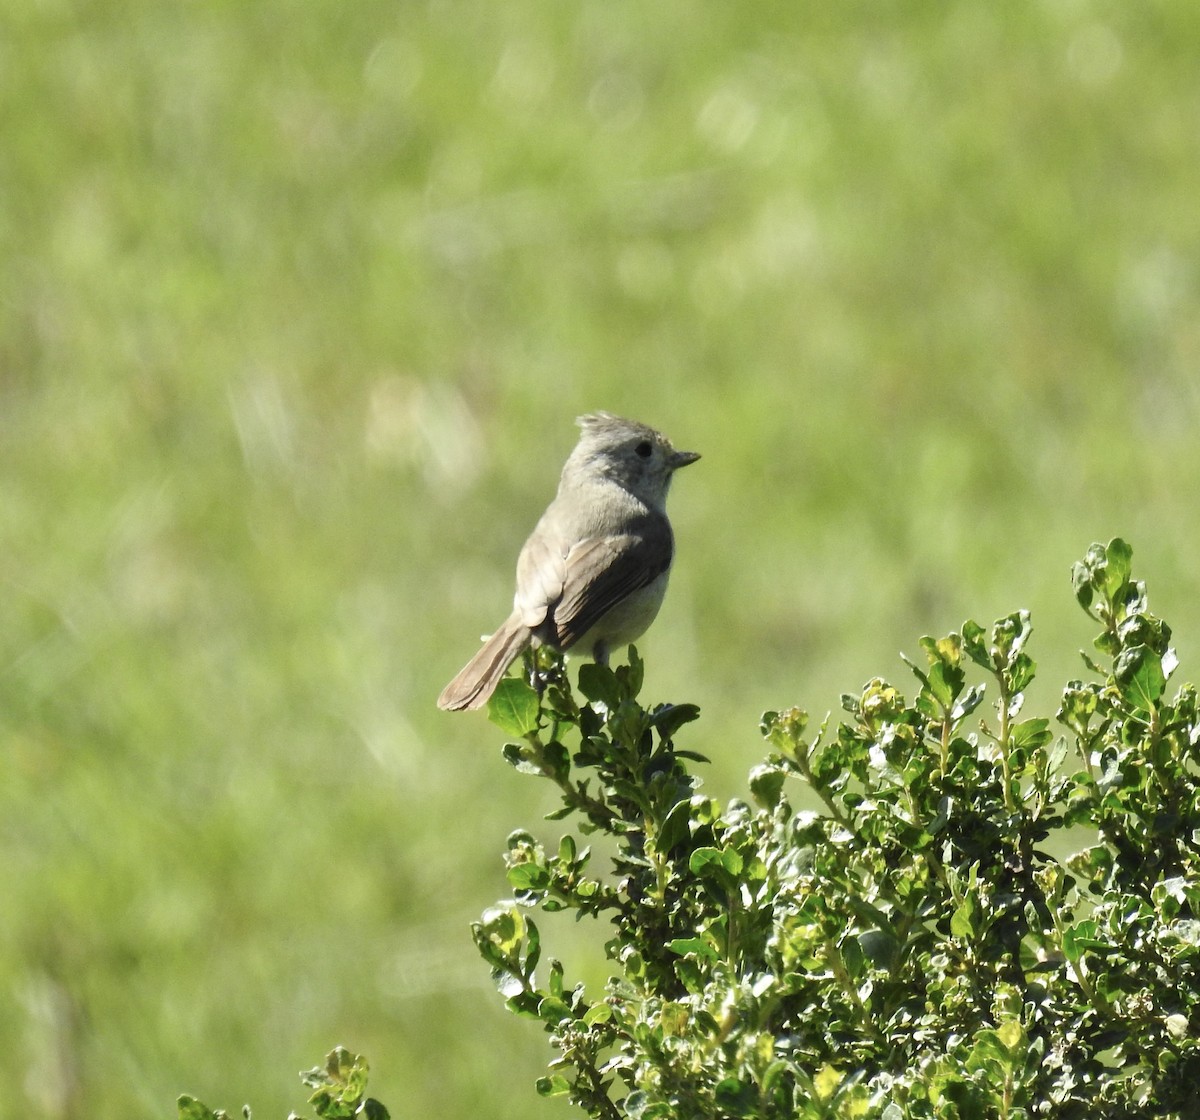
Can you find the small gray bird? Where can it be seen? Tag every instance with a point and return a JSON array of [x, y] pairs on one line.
[[594, 571]]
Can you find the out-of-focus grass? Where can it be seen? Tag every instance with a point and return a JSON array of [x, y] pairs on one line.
[[297, 305]]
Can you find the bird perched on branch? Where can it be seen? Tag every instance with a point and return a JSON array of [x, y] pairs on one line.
[[593, 572]]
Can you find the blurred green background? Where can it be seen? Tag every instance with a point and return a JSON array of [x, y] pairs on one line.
[[298, 304]]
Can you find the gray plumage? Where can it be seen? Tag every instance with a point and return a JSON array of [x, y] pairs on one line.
[[593, 572]]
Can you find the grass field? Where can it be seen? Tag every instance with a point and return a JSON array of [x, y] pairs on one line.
[[297, 306]]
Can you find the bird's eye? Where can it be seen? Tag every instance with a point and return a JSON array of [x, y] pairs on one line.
[[643, 449]]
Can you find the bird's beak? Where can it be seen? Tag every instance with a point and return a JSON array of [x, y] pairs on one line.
[[682, 458]]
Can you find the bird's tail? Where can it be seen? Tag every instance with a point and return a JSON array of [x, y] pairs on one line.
[[477, 680]]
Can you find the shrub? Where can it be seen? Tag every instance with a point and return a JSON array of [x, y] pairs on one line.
[[339, 1093], [914, 949], [918, 947]]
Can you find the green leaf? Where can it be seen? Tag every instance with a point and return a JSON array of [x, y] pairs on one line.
[[674, 827], [1031, 734], [945, 678], [192, 1109], [342, 1083], [1079, 704], [1140, 677], [631, 675], [598, 1013], [721, 863], [514, 707], [522, 839], [553, 1010], [785, 732], [528, 877], [524, 1004], [1118, 557], [975, 643], [1081, 581], [518, 756], [502, 927], [766, 784], [697, 946], [533, 948], [1105, 571], [1022, 672], [554, 1086], [989, 1054], [879, 947], [599, 684], [964, 922], [328, 1105], [636, 1104], [669, 718], [968, 702], [945, 682], [917, 671], [734, 1096], [1080, 937], [1009, 635], [1012, 1036]]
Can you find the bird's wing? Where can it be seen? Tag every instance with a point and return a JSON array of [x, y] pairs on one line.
[[541, 574], [600, 572]]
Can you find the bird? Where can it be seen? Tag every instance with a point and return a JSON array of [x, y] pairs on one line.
[[593, 573]]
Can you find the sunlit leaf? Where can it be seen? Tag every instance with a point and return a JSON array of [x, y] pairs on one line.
[[514, 707]]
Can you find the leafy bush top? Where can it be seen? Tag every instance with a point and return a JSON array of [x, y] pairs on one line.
[[915, 949]]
